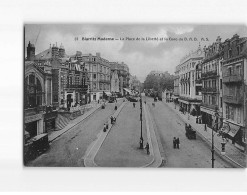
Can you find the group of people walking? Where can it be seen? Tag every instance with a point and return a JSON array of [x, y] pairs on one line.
[[176, 142]]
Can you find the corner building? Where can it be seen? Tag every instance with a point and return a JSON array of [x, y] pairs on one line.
[[234, 70]]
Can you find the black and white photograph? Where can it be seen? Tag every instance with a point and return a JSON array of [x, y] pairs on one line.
[[135, 95]]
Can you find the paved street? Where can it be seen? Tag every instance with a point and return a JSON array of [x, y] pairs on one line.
[[121, 146], [69, 149], [192, 153]]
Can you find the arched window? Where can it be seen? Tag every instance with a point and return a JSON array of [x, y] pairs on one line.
[[33, 92]]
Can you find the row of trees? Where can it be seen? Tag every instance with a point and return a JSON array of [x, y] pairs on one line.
[[159, 82]]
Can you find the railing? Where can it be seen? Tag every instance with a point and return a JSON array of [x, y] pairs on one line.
[[83, 107], [198, 81], [104, 81], [232, 78], [209, 89], [213, 107], [238, 99], [34, 110], [209, 74], [77, 86], [185, 80]]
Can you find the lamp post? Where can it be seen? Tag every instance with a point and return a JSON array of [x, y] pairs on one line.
[[221, 133], [141, 138]]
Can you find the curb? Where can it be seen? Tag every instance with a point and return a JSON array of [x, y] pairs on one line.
[[98, 136], [149, 137]]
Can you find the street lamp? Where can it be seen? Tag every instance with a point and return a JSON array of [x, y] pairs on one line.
[[141, 138], [219, 133]]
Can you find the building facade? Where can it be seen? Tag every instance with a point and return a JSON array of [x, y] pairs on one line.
[[212, 83], [99, 72], [190, 90], [234, 73], [115, 84], [37, 100]]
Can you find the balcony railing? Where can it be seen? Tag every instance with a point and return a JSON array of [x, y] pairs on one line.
[[198, 81], [232, 99], [77, 87], [209, 89], [232, 78], [34, 110], [209, 74], [104, 81], [185, 80], [211, 106]]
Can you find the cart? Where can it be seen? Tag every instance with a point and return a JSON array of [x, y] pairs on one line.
[[190, 133]]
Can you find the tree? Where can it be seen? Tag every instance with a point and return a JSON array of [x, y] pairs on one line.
[[159, 83]]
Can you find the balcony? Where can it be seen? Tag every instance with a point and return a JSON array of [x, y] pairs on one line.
[[209, 90], [232, 78], [185, 80], [209, 74], [104, 81], [82, 87], [210, 106], [198, 81], [232, 99]]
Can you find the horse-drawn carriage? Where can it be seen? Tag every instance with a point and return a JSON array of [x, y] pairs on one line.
[[190, 133]]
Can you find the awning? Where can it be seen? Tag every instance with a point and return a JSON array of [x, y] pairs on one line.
[[183, 101], [129, 91], [108, 93], [233, 129]]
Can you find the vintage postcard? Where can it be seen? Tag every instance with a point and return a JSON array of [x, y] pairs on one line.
[[135, 95]]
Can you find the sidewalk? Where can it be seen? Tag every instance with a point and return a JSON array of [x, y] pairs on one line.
[[234, 155], [95, 145], [55, 134]]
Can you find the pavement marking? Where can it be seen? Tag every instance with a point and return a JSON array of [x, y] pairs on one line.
[[90, 155]]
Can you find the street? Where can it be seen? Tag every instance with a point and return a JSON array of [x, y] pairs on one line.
[[192, 153], [69, 149], [120, 148]]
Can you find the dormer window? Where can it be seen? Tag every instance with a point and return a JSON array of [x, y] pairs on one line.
[[238, 50], [229, 53]]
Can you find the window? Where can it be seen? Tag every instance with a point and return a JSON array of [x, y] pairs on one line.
[[229, 71], [94, 76], [213, 100], [221, 102], [221, 85], [229, 53], [238, 69], [238, 113], [238, 50], [230, 112]]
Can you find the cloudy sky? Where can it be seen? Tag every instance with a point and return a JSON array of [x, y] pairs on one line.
[[141, 56]]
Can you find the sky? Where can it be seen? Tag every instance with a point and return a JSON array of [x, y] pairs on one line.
[[141, 55]]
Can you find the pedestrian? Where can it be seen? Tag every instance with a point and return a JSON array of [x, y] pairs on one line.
[[104, 128], [174, 142], [177, 142], [147, 148], [111, 119], [145, 102], [115, 107], [134, 105]]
